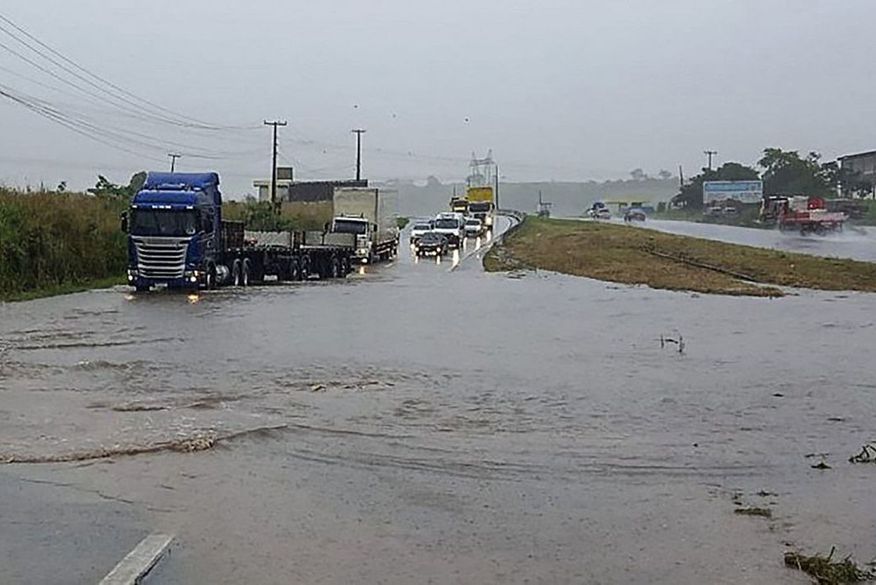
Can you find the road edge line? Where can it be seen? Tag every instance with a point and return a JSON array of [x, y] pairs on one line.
[[137, 563]]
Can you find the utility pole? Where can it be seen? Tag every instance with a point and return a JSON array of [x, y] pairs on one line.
[[358, 132], [275, 124], [710, 154], [173, 157], [496, 182]]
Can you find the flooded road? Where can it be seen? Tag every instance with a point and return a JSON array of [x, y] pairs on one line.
[[856, 242], [417, 424]]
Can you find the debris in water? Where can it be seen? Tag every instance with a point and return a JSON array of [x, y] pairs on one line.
[[679, 342], [778, 395], [824, 571], [867, 455], [317, 388], [754, 511], [821, 465]]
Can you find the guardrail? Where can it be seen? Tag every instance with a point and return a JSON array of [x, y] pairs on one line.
[[516, 216]]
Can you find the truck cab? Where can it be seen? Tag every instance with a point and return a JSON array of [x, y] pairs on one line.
[[173, 227], [364, 231]]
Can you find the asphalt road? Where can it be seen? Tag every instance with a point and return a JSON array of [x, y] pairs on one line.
[[435, 425]]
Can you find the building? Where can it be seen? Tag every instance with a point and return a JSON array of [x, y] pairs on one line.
[[302, 191], [284, 180], [858, 172]]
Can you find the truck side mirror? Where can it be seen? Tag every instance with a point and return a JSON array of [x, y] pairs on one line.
[[123, 222]]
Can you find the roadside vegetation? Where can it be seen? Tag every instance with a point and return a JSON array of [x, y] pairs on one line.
[[52, 242], [631, 255]]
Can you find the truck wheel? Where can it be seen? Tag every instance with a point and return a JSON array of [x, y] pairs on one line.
[[294, 271], [345, 267], [142, 288], [305, 269], [334, 268], [245, 273], [235, 273], [210, 278]]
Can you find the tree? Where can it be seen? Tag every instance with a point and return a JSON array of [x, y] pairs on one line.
[[691, 194], [105, 187], [638, 175], [664, 175], [786, 173]]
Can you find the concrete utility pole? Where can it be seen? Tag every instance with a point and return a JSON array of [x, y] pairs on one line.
[[173, 158], [275, 124], [496, 182], [710, 154], [358, 132]]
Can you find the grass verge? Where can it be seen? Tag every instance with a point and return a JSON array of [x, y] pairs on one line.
[[629, 255], [62, 289]]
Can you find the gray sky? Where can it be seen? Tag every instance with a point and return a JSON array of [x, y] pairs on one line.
[[565, 90]]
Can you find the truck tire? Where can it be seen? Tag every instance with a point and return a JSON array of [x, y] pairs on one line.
[[210, 278], [245, 273], [235, 273], [334, 267], [142, 288], [304, 273], [345, 266], [294, 271]]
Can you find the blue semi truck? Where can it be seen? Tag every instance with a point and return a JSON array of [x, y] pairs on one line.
[[177, 238]]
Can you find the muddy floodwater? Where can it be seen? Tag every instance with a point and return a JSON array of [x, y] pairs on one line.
[[417, 424]]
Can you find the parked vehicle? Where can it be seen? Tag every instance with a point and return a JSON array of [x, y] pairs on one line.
[[178, 239], [432, 244], [370, 214], [450, 227], [473, 227], [418, 229]]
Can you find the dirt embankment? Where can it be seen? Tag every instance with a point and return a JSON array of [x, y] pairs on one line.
[[630, 255]]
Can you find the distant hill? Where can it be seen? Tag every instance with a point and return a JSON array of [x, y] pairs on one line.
[[569, 199]]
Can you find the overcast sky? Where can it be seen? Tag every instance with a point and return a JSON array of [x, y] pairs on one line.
[[565, 90]]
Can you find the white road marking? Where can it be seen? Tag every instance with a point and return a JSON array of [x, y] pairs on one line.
[[139, 561]]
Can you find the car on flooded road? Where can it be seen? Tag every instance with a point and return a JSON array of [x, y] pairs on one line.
[[473, 228], [432, 244], [420, 228]]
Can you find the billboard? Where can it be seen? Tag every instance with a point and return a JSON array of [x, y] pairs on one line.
[[741, 191]]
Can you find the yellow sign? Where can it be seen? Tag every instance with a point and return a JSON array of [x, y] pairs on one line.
[[479, 194]]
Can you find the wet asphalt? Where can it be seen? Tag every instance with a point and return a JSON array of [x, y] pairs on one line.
[[440, 426]]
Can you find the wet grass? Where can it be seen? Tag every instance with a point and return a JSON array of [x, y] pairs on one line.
[[62, 289], [630, 255], [825, 571]]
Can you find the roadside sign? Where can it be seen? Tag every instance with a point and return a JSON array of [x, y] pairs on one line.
[[741, 191]]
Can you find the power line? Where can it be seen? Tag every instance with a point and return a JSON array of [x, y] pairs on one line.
[[144, 106]]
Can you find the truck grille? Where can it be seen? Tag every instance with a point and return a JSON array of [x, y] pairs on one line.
[[161, 257]]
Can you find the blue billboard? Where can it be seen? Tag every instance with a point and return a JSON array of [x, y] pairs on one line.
[[741, 191]]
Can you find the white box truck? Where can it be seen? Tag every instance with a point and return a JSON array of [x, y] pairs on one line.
[[369, 213]]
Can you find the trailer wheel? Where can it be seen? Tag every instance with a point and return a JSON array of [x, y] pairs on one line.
[[235, 273], [245, 273]]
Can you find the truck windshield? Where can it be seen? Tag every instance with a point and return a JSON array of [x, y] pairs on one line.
[[447, 224], [345, 226], [163, 222]]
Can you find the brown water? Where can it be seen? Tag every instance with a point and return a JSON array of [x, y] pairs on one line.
[[452, 427]]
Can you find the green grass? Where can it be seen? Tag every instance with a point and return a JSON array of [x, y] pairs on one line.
[[402, 222], [62, 289], [631, 255]]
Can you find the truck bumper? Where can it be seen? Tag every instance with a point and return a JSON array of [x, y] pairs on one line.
[[189, 282]]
